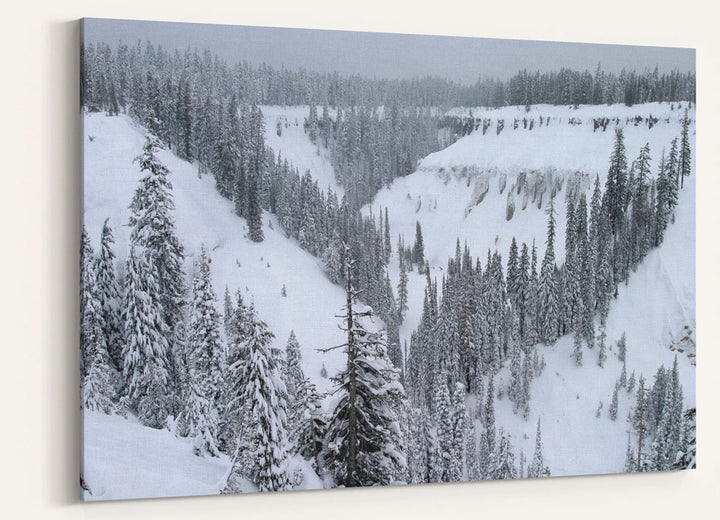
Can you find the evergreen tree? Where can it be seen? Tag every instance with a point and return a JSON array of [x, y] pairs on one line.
[[630, 460], [387, 247], [200, 417], [228, 311], [108, 294], [537, 467], [233, 423], [639, 424], [98, 392], [527, 374], [226, 165], [672, 179], [486, 459], [662, 206], [86, 282], [259, 388], [490, 416], [402, 290], [206, 363], [146, 367], [547, 290], [312, 425], [586, 262], [631, 383], [296, 386], [459, 430], [513, 273], [616, 186], [613, 410], [622, 348], [687, 454], [442, 466], [293, 373], [668, 438], [472, 461], [602, 351], [505, 460], [206, 351], [363, 444], [419, 248], [577, 353], [254, 211], [685, 163], [153, 230]]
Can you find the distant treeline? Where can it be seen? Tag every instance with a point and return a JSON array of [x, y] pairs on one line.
[[115, 75]]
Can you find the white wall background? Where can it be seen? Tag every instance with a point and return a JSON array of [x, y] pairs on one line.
[[39, 208]]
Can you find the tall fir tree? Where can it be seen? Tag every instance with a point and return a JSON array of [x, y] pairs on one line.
[[685, 158], [363, 443], [153, 232], [547, 290], [616, 185], [505, 459], [537, 467], [146, 360], [263, 454], [108, 293], [206, 349], [206, 360], [86, 282], [402, 290], [419, 248], [97, 385]]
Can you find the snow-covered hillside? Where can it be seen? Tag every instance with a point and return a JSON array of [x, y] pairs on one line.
[[204, 217], [463, 190], [124, 459], [293, 144], [653, 310]]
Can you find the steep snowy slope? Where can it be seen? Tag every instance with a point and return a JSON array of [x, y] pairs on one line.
[[459, 192], [653, 310], [464, 190], [122, 458], [294, 145], [259, 270], [446, 196]]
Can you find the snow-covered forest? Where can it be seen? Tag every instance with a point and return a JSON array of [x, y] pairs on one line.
[[302, 280]]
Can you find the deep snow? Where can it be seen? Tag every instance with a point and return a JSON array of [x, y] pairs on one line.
[[124, 459], [655, 310], [258, 270]]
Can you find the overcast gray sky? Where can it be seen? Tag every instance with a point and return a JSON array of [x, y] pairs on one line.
[[386, 55]]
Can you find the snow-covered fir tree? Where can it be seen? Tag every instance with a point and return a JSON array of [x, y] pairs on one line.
[[86, 282], [613, 409], [547, 290], [146, 360], [363, 444], [206, 359], [311, 426], [504, 460], [153, 229], [537, 467], [97, 384], [263, 450], [108, 293]]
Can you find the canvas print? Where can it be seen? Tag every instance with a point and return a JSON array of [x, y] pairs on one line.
[[323, 259]]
